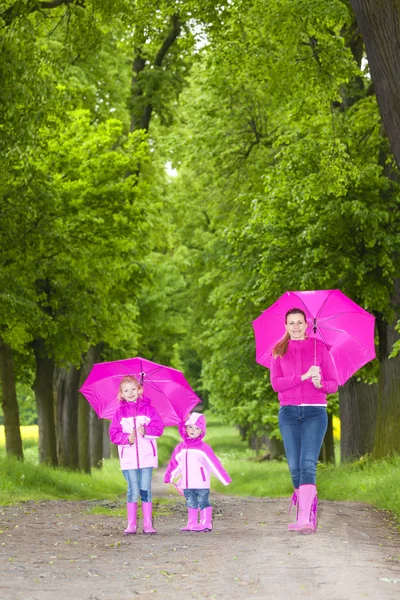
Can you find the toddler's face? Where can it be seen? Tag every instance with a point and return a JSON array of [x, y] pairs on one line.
[[130, 391], [193, 431]]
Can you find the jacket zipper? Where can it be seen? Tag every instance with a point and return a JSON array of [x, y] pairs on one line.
[[136, 443], [186, 463], [202, 473]]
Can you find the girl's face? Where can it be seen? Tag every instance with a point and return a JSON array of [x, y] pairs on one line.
[[193, 431], [296, 326], [130, 391]]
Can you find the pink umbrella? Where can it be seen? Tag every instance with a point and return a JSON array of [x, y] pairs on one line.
[[165, 387], [345, 328]]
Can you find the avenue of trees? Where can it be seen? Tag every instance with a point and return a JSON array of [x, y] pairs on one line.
[[167, 170]]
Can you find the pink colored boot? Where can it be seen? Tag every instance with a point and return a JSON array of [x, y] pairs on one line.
[[307, 519], [147, 514], [193, 519], [205, 520], [131, 508], [294, 502]]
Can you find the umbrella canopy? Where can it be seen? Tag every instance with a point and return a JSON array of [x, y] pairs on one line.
[[345, 328], [165, 387]]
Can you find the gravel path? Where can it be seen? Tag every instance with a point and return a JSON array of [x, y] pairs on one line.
[[61, 551]]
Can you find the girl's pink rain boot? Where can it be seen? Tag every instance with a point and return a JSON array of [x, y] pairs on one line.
[[193, 519], [294, 502], [147, 514], [131, 508], [306, 522], [205, 520]]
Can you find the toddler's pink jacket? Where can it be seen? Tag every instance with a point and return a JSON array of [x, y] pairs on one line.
[[193, 461]]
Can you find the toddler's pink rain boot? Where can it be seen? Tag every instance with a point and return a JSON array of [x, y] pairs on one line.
[[131, 508], [306, 522], [193, 519], [147, 513], [294, 502], [205, 520]]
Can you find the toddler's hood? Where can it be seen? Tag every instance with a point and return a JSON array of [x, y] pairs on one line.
[[197, 419]]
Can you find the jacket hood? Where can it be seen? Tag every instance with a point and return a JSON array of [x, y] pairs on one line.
[[197, 419]]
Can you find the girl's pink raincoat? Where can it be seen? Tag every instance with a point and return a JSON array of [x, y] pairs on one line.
[[129, 416], [193, 461]]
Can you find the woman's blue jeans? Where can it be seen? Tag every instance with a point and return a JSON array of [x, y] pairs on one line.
[[303, 429], [197, 498], [138, 480]]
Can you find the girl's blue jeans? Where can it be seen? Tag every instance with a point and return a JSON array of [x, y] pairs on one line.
[[303, 429], [139, 480], [197, 498]]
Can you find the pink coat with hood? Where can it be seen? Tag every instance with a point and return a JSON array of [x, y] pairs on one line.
[[193, 460], [129, 416], [286, 372]]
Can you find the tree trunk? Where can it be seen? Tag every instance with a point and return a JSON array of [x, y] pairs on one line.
[[329, 442], [67, 384], [387, 437], [141, 106], [327, 452], [44, 395], [9, 402], [106, 439], [83, 435], [358, 404], [96, 440], [273, 448], [379, 22], [93, 356]]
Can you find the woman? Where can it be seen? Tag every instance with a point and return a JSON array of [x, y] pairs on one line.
[[303, 373]]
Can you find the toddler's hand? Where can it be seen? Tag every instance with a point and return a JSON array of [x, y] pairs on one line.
[[179, 490], [132, 438], [141, 430]]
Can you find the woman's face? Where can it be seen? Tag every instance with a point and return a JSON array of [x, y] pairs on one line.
[[296, 326]]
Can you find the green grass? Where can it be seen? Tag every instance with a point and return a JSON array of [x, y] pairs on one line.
[[373, 482], [27, 480]]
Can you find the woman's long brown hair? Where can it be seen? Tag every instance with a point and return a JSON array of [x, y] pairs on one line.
[[281, 347]]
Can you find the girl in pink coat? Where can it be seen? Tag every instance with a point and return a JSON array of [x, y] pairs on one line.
[[192, 463], [135, 427]]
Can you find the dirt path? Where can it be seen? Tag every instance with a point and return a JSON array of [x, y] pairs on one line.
[[60, 551]]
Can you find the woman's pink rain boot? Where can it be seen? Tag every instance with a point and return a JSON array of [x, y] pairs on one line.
[[147, 514], [193, 519], [306, 522], [131, 508], [294, 502], [205, 520]]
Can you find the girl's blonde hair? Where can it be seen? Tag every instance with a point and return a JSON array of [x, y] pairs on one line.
[[281, 347], [129, 379]]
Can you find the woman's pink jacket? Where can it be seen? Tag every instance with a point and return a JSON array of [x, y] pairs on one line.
[[286, 372], [129, 416], [193, 461]]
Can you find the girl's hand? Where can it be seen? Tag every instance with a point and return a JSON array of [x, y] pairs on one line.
[[141, 430], [132, 438]]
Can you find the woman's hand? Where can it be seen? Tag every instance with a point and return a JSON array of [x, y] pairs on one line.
[[316, 379], [313, 371]]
